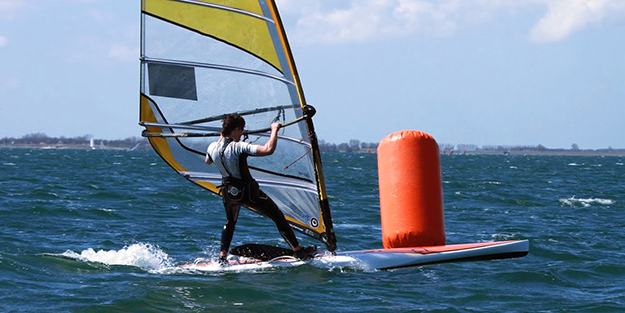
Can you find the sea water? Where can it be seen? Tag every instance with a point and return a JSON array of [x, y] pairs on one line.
[[104, 231]]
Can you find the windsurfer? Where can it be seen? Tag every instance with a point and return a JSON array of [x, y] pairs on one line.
[[229, 155]]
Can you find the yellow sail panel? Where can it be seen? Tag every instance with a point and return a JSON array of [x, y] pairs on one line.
[[147, 115], [222, 24], [159, 144], [209, 186]]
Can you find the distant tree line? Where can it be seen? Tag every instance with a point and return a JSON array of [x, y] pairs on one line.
[[514, 148], [353, 145], [446, 147], [85, 140], [41, 138]]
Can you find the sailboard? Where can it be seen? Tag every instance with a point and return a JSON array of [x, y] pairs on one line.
[[203, 59], [376, 259]]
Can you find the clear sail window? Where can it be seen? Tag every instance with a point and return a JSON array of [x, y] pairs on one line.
[[172, 81]]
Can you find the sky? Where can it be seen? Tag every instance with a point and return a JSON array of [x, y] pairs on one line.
[[483, 72]]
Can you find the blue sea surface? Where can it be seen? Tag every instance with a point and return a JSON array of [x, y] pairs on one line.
[[103, 231]]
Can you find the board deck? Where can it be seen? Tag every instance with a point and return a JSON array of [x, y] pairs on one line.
[[260, 251], [384, 259]]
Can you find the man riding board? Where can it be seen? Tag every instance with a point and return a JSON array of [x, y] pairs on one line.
[[229, 155]]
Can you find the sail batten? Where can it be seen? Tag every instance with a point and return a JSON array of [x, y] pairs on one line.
[[283, 183], [182, 126], [215, 131], [244, 113], [225, 8], [215, 66], [203, 59]]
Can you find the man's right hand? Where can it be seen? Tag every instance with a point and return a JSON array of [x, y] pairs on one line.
[[275, 126]]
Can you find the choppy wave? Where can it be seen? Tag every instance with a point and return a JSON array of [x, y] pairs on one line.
[[572, 201]]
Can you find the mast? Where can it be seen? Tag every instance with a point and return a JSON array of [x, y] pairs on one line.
[[329, 238]]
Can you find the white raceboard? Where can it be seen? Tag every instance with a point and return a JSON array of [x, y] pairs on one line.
[[381, 259]]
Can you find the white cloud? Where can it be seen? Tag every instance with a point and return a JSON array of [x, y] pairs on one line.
[[342, 21], [3, 41], [565, 17], [370, 19], [123, 53]]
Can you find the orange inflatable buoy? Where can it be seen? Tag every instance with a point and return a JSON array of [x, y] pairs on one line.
[[411, 192]]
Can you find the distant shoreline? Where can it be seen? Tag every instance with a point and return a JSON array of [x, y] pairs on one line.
[[547, 152], [145, 146], [69, 147]]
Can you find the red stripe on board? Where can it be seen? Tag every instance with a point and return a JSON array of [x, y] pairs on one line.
[[438, 249]]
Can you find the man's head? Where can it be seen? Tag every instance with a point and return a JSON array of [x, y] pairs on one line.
[[231, 122]]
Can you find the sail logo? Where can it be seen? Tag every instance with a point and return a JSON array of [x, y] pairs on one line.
[[314, 222]]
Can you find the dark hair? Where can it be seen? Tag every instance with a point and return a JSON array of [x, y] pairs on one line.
[[232, 121]]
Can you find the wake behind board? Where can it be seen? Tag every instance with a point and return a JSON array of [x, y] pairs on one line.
[[380, 259]]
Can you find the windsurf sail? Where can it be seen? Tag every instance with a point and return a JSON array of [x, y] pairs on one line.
[[203, 59]]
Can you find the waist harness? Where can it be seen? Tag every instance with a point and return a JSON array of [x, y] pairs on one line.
[[237, 189]]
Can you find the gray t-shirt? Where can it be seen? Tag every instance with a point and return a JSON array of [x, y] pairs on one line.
[[229, 164]]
